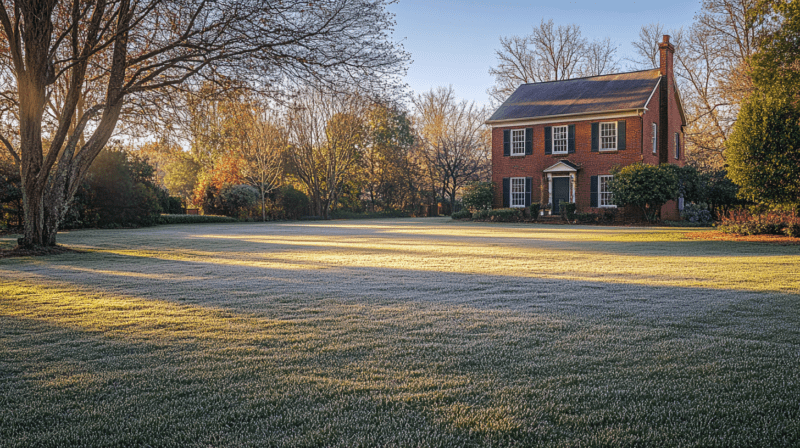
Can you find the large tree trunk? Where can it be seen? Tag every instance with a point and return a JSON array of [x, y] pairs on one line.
[[263, 204], [33, 207]]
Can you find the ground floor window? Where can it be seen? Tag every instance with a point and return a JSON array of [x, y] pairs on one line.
[[517, 192], [604, 196]]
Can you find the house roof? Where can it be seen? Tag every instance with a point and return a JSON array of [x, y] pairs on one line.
[[605, 93]]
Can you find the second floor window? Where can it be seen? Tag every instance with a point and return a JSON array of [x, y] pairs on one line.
[[608, 136], [518, 142], [655, 139], [560, 142]]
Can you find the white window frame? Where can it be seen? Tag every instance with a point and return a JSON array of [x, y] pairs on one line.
[[607, 125], [518, 142], [604, 197], [560, 142], [520, 195], [655, 139]]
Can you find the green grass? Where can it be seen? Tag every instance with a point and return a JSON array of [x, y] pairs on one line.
[[409, 332]]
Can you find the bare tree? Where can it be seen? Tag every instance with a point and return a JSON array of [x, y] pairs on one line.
[[711, 60], [549, 53], [109, 53], [260, 141], [560, 51], [455, 139], [600, 58], [645, 50], [326, 130]]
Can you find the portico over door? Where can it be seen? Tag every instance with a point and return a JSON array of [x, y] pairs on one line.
[[561, 179]]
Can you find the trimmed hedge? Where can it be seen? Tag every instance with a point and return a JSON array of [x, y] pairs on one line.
[[568, 211], [500, 215], [588, 218], [535, 208], [342, 214], [461, 214], [193, 219]]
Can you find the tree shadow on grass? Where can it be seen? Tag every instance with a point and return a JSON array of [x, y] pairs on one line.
[[456, 360], [284, 290]]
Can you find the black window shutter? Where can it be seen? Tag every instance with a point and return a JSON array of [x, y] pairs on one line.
[[528, 181], [593, 192], [620, 135], [595, 137], [548, 139], [571, 139], [506, 142], [506, 192], [529, 141]]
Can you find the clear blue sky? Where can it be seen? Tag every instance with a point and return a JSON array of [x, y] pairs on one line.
[[453, 42]]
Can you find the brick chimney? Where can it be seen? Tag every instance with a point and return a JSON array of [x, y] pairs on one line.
[[666, 51], [666, 87]]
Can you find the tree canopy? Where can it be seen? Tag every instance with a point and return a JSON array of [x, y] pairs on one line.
[[647, 187], [763, 151]]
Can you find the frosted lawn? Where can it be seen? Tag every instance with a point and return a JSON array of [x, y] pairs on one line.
[[411, 332]]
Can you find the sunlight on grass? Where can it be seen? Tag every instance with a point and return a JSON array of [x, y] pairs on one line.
[[626, 257], [400, 333]]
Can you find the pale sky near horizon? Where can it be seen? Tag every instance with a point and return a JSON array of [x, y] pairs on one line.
[[453, 42]]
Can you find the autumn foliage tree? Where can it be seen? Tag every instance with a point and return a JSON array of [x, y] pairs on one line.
[[259, 141], [326, 134]]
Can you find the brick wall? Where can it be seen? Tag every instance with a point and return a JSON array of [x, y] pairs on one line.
[[589, 163]]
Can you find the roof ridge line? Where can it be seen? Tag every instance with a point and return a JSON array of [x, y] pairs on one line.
[[588, 77]]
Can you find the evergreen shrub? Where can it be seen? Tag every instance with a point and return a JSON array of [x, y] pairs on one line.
[[500, 215], [478, 195], [535, 208], [697, 213], [461, 214]]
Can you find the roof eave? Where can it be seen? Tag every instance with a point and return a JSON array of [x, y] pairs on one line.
[[563, 117]]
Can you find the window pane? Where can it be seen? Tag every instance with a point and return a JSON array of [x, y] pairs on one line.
[[655, 129], [518, 142], [608, 135], [560, 140], [605, 198], [517, 192]]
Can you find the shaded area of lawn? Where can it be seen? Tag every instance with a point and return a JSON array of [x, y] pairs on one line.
[[228, 341]]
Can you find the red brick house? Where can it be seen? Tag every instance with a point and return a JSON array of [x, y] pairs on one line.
[[555, 142]]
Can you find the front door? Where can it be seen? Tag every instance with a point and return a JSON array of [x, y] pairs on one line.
[[560, 193]]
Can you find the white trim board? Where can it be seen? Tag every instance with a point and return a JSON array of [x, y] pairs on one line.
[[652, 93], [567, 118]]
